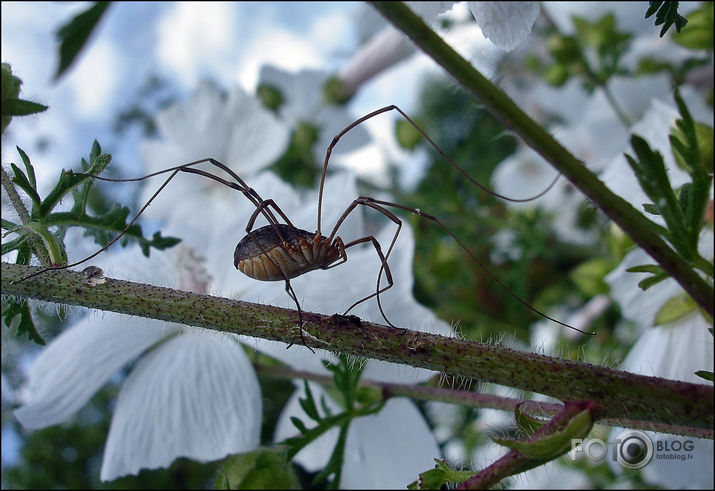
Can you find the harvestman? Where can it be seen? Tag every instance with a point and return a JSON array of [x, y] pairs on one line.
[[280, 251]]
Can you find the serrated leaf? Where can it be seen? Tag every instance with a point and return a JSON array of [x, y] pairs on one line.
[[21, 107], [16, 315], [666, 13], [74, 34], [675, 308]]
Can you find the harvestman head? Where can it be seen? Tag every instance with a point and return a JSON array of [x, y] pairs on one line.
[[280, 251]]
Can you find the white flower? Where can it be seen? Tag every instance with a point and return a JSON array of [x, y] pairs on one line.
[[506, 24], [191, 393], [304, 102], [234, 129]]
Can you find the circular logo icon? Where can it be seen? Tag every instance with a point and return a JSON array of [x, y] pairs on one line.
[[634, 449]]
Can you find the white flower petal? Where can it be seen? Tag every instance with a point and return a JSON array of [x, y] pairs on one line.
[[79, 361], [506, 24], [389, 449], [194, 396], [383, 451]]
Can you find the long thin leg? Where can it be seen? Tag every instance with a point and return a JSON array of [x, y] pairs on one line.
[[385, 109], [366, 201], [481, 265], [113, 240]]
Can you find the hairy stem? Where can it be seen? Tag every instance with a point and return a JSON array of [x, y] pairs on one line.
[[616, 394], [470, 398], [22, 212], [504, 109]]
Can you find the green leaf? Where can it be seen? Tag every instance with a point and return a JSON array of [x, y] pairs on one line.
[[646, 268], [74, 34], [264, 468], [28, 167], [699, 34], [666, 13], [554, 444], [649, 282], [16, 315], [658, 273], [407, 135], [21, 180], [21, 107], [705, 374], [440, 476], [589, 276], [675, 308]]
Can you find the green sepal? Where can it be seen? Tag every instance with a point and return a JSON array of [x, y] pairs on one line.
[[527, 423], [439, 476], [552, 445]]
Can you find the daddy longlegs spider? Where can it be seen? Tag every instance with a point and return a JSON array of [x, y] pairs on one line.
[[280, 251]]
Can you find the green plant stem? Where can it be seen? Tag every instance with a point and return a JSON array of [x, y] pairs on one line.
[[503, 108], [616, 394], [22, 212], [474, 399]]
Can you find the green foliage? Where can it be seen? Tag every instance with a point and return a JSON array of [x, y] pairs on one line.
[[570, 58], [555, 442], [73, 35], [19, 310], [683, 210], [346, 375], [50, 226], [101, 227], [666, 13], [446, 278], [264, 468], [440, 476], [297, 165], [10, 101], [699, 34]]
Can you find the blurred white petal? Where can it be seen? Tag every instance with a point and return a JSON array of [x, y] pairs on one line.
[[386, 450], [389, 449], [194, 396], [506, 24], [79, 361], [233, 128]]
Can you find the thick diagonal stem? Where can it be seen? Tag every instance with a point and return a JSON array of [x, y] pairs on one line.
[[504, 109]]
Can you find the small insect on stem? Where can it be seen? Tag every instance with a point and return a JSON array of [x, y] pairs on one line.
[[280, 251]]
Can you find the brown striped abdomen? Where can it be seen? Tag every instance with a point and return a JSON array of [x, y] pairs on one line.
[[297, 252]]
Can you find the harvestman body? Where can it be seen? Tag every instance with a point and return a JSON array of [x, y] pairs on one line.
[[281, 252]]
